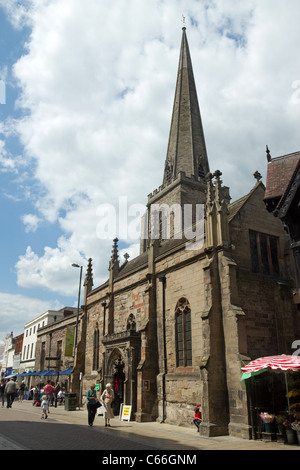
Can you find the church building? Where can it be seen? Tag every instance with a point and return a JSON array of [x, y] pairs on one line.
[[173, 327]]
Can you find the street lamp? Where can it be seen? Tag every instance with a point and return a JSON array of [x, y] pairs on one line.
[[78, 304]]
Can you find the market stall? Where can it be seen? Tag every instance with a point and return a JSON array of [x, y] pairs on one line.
[[275, 384]]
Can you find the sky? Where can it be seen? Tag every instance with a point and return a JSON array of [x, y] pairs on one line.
[[86, 97]]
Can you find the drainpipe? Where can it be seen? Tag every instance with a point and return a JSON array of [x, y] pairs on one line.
[[162, 279], [104, 312]]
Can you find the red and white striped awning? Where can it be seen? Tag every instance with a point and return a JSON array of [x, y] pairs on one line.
[[273, 362]]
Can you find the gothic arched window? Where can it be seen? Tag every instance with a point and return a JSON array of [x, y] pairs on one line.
[[183, 333]]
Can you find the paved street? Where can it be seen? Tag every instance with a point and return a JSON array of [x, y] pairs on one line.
[[22, 429]]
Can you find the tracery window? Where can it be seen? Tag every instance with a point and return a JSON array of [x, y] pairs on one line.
[[183, 333]]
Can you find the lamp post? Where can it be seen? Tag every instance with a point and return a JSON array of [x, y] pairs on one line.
[[78, 304]]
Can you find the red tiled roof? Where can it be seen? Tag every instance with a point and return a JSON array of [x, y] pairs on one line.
[[279, 173]]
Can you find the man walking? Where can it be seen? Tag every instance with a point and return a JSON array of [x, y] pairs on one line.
[[10, 392]]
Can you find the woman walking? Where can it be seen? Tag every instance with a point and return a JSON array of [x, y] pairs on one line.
[[107, 398], [21, 391]]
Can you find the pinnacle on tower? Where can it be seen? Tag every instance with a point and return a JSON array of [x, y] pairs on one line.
[[89, 274], [114, 260]]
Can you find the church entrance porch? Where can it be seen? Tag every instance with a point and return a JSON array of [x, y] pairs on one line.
[[120, 360]]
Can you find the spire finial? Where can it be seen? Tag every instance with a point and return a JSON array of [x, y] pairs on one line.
[[269, 156], [183, 21]]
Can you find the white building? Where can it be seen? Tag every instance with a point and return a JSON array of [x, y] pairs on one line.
[[8, 354], [30, 335]]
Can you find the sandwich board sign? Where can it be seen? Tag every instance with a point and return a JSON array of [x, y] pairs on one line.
[[125, 412]]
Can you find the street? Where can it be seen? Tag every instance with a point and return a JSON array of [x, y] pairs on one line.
[[21, 428]]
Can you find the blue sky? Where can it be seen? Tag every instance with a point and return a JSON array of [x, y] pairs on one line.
[[89, 96]]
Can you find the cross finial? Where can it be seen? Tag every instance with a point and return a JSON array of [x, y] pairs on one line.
[[183, 20], [257, 176]]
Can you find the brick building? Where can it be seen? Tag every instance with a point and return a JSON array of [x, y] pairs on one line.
[[173, 327]]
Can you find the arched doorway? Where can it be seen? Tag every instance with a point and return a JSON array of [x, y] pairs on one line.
[[116, 375]]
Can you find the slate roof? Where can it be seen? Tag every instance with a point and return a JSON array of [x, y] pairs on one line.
[[279, 174]]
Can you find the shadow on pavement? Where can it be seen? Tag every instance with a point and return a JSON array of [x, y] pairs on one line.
[[49, 435]]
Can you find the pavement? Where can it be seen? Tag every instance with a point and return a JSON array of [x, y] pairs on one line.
[[16, 422]]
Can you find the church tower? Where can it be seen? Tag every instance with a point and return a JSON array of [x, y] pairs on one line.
[[186, 164]]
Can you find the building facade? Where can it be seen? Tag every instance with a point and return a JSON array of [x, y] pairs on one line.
[[173, 327], [8, 355], [282, 198], [55, 347], [31, 329]]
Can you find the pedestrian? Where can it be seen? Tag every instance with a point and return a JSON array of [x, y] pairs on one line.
[[10, 392], [2, 392], [55, 395], [36, 395], [44, 407], [198, 417], [91, 402], [107, 397], [49, 390], [21, 391], [61, 396]]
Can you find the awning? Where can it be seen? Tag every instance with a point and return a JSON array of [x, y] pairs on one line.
[[43, 373], [24, 374], [49, 373], [272, 363], [282, 362], [40, 373], [248, 375], [66, 372]]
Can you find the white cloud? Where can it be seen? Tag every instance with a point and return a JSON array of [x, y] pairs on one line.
[[31, 222], [97, 84], [17, 310]]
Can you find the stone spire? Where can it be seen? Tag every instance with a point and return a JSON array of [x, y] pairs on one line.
[[186, 149]]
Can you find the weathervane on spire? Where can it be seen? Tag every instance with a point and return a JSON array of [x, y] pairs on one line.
[[183, 20]]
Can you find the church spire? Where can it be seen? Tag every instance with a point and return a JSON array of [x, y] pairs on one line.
[[186, 149]]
